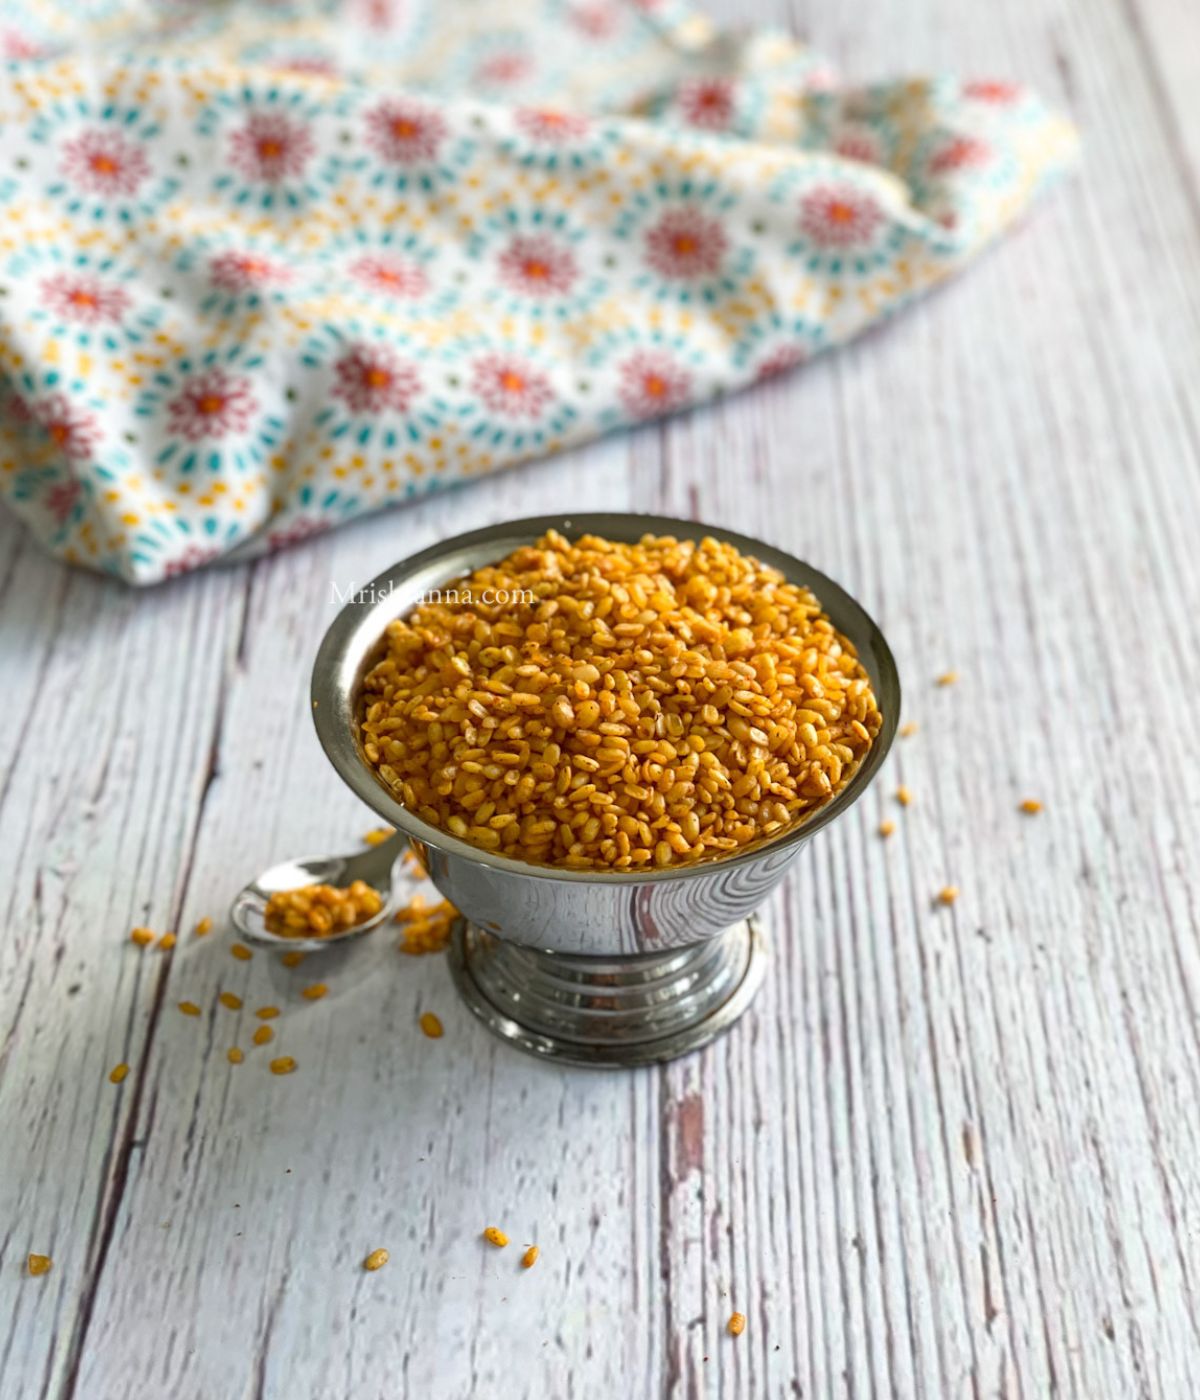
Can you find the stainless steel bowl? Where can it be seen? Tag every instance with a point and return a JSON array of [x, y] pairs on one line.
[[593, 968]]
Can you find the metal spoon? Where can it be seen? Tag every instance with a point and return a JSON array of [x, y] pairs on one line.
[[374, 866]]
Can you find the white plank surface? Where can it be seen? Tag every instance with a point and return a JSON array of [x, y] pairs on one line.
[[950, 1152]]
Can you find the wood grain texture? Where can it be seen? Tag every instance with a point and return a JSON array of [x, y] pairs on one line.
[[950, 1151]]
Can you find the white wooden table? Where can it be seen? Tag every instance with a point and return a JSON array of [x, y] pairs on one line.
[[950, 1152]]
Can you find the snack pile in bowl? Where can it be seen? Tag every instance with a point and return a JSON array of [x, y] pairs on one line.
[[614, 707]]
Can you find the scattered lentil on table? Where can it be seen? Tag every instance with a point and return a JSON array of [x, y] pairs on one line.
[[426, 929], [240, 951], [655, 703], [283, 1065], [376, 1260], [167, 942], [431, 1025], [263, 1035], [231, 1000], [1031, 806], [314, 992], [530, 1257], [904, 796], [737, 1324], [143, 937], [495, 1236], [189, 1008], [118, 1072], [39, 1264], [379, 835], [949, 894], [203, 926], [234, 1055]]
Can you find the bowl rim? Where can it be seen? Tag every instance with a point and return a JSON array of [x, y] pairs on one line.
[[342, 650]]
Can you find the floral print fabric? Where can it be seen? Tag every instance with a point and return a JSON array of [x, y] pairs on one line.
[[268, 266]]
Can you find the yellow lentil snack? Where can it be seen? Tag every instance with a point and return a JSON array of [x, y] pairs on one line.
[[904, 797], [949, 894], [426, 929], [143, 937], [267, 1013], [379, 835], [1031, 806], [231, 1000], [314, 992], [530, 1257], [189, 1008], [39, 1264], [234, 1055], [495, 1236], [167, 942], [886, 828], [203, 927], [315, 910], [624, 707], [263, 1035], [240, 951], [283, 1065], [431, 1025], [118, 1073], [737, 1324], [376, 1260]]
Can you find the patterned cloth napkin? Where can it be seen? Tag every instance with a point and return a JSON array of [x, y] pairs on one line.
[[268, 266]]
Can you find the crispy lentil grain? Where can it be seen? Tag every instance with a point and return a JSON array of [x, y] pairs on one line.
[[948, 895], [234, 1055], [495, 1236], [530, 1257], [909, 729], [1031, 806], [314, 992], [231, 1000], [263, 1035], [904, 797], [886, 828], [292, 959], [267, 1013], [431, 1025], [654, 704], [167, 942], [241, 952], [39, 1264], [204, 927], [376, 1260], [117, 1073], [283, 1065], [426, 930], [947, 678], [143, 937], [313, 911], [737, 1324], [189, 1008], [379, 835]]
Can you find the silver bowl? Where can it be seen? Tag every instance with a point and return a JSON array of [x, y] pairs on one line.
[[592, 968]]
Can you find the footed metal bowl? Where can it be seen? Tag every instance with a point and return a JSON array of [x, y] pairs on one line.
[[593, 968]]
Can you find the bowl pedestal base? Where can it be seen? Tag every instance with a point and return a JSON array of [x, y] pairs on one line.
[[608, 1011]]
